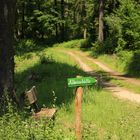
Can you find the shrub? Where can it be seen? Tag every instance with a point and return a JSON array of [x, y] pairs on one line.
[[71, 44], [46, 59], [13, 126], [125, 56], [19, 125], [97, 48], [123, 27], [25, 46], [133, 67], [130, 62]]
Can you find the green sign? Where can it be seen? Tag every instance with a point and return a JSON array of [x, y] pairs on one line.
[[81, 81]]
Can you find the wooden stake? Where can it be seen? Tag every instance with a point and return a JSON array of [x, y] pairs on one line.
[[78, 107]]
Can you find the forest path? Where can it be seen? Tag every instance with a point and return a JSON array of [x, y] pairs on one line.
[[119, 92], [111, 72]]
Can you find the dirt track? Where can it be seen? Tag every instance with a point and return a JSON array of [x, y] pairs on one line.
[[116, 90], [114, 74]]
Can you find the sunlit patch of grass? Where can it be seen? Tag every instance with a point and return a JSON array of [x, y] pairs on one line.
[[113, 117], [71, 44], [113, 62]]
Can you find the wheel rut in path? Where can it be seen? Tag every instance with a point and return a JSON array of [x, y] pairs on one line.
[[111, 72], [116, 90]]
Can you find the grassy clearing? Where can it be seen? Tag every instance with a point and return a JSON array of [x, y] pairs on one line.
[[103, 116]]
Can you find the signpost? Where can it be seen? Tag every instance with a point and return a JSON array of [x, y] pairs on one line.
[[79, 82]]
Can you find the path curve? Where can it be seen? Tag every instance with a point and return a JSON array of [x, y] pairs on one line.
[[116, 90], [113, 73]]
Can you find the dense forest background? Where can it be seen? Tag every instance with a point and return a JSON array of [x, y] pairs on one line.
[[110, 25]]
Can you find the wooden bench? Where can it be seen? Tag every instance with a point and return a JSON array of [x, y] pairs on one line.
[[31, 100]]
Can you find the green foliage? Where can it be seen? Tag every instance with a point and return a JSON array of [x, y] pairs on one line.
[[19, 125], [72, 44], [24, 46], [133, 68], [36, 19], [98, 48], [15, 126], [46, 59], [128, 62], [46, 22], [86, 43], [124, 27], [125, 56], [44, 19]]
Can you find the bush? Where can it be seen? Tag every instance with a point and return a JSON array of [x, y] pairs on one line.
[[25, 46], [125, 56], [46, 59], [133, 67], [97, 48], [13, 126], [130, 62], [123, 27], [86, 43], [21, 126], [71, 44]]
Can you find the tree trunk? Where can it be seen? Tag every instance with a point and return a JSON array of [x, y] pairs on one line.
[[101, 22], [23, 20], [62, 27], [85, 33], [56, 25], [83, 16], [7, 17]]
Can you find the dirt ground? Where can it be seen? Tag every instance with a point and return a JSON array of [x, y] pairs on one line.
[[119, 92]]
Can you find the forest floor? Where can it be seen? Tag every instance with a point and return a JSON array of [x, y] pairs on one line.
[[120, 92]]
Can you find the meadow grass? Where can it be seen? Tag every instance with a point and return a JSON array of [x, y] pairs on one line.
[[104, 117], [113, 62]]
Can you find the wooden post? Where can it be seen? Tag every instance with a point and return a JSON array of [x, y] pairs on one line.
[[78, 107], [79, 82]]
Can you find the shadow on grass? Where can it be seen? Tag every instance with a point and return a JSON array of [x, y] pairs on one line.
[[28, 45], [133, 68], [51, 82], [103, 79]]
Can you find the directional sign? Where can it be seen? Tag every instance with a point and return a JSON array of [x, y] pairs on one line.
[[81, 81]]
